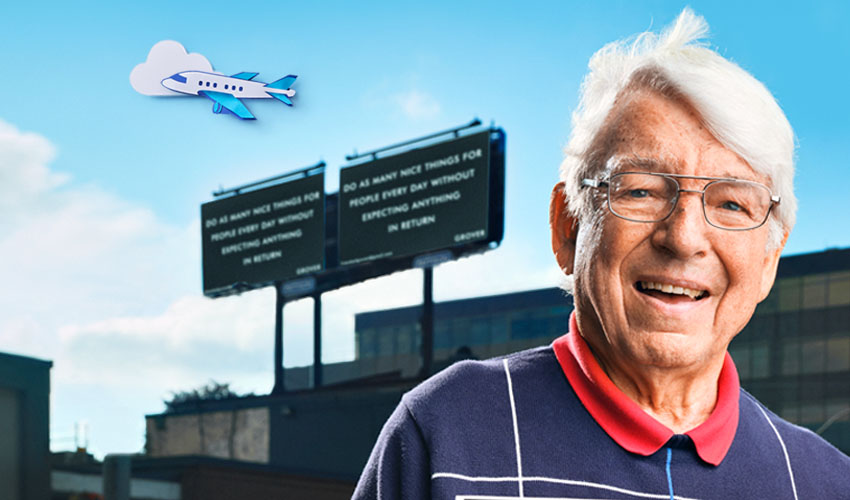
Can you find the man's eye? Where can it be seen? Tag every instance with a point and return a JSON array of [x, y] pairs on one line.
[[638, 193], [732, 206]]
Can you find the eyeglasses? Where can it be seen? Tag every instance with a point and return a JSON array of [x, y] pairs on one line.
[[733, 204]]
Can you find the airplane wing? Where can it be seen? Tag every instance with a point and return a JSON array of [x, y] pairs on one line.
[[245, 75], [232, 104]]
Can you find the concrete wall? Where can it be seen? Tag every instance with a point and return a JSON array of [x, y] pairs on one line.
[[237, 434], [326, 433]]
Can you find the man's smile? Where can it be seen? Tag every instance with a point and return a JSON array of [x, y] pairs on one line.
[[667, 291]]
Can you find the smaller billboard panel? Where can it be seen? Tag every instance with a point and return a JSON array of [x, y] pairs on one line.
[[271, 234], [414, 202]]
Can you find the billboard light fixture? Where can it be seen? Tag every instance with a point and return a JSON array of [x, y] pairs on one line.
[[304, 172], [374, 154], [302, 286], [432, 259]]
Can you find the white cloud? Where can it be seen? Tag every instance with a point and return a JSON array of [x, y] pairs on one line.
[[23, 169], [417, 105], [69, 253], [194, 339], [165, 59]]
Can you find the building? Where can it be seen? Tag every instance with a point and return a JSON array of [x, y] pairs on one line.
[[794, 355], [479, 328], [24, 420]]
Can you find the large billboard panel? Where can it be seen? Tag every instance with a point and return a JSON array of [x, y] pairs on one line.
[[271, 234], [415, 202]]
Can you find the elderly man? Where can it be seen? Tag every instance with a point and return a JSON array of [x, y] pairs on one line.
[[676, 199]]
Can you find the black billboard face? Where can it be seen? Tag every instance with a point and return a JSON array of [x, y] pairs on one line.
[[271, 234], [419, 201]]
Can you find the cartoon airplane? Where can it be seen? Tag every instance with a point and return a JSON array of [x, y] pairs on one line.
[[226, 92]]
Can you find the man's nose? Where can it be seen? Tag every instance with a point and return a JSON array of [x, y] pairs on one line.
[[684, 233]]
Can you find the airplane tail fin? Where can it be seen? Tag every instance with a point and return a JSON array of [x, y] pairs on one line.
[[284, 83], [281, 97]]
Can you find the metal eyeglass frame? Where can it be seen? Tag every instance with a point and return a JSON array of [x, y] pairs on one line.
[[606, 183]]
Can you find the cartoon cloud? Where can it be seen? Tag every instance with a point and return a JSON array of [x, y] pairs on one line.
[[165, 59]]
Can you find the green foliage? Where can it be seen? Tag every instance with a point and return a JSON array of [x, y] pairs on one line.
[[213, 391]]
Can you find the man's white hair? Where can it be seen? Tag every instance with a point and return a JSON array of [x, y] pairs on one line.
[[738, 110]]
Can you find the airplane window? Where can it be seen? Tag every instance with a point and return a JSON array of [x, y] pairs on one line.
[[200, 83], [208, 84], [225, 86], [240, 89], [215, 85]]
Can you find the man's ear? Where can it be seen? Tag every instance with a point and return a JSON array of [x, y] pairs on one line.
[[771, 262], [564, 228]]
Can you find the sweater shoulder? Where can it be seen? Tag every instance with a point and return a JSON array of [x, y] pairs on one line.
[[801, 444]]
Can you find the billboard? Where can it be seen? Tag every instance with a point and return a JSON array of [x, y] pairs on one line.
[[415, 202], [271, 234]]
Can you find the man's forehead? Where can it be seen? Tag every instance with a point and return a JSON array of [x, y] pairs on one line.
[[664, 163], [646, 130]]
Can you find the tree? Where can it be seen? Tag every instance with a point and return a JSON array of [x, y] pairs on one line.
[[213, 391]]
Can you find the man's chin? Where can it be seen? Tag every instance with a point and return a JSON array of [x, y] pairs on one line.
[[671, 350]]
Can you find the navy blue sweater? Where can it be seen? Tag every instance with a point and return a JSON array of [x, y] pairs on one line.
[[514, 427]]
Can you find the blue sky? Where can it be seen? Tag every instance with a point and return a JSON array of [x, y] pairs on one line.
[[101, 186]]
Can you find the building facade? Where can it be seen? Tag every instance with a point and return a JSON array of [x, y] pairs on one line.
[[24, 428], [478, 328], [794, 355]]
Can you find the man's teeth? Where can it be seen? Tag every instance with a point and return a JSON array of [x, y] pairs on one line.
[[667, 288]]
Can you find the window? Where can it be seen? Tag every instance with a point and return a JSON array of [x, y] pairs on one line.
[[404, 340], [814, 354], [499, 329], [367, 343], [789, 294], [814, 291], [839, 289], [207, 84], [443, 334], [838, 355], [215, 85], [225, 86], [200, 83], [788, 324], [461, 330], [386, 341], [811, 413], [791, 357], [480, 334], [760, 367], [240, 89]]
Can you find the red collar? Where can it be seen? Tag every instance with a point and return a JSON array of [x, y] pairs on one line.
[[626, 423]]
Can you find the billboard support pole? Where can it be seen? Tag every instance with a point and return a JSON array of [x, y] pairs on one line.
[[279, 387], [427, 321], [317, 339]]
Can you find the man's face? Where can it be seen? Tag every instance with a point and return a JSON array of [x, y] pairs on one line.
[[619, 262]]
